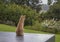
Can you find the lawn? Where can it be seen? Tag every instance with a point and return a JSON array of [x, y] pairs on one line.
[[7, 28]]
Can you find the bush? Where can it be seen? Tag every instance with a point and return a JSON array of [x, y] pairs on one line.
[[36, 26], [51, 26], [10, 14]]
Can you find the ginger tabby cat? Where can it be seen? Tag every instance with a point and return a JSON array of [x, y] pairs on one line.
[[20, 26]]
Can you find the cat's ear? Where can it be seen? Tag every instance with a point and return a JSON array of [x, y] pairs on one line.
[[23, 16]]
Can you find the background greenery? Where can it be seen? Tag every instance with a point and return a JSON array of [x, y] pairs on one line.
[[11, 10]]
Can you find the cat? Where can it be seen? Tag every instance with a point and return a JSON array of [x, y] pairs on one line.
[[20, 26]]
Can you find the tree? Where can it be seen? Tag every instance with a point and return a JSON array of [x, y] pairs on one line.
[[34, 4], [49, 2], [12, 13], [54, 11]]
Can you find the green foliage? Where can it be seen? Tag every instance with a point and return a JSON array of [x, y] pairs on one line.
[[36, 26], [49, 2], [54, 11], [51, 19], [51, 26], [46, 26], [29, 3], [11, 13]]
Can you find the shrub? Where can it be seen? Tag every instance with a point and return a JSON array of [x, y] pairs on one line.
[[36, 26], [12, 13], [51, 26]]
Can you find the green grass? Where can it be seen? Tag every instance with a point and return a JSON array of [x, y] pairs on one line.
[[7, 28], [57, 37]]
